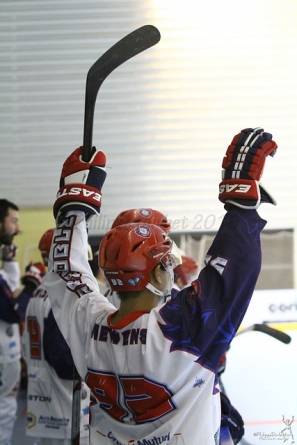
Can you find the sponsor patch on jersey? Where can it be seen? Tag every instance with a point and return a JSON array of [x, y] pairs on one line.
[[53, 422], [143, 231], [31, 420], [146, 213]]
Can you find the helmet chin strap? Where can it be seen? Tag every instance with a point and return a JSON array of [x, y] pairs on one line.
[[163, 296], [154, 290]]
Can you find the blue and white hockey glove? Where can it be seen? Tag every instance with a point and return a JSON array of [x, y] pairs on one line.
[[243, 166], [81, 184]]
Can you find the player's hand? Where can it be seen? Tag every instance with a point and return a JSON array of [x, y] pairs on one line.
[[231, 418], [33, 275], [81, 184], [9, 252], [243, 166]]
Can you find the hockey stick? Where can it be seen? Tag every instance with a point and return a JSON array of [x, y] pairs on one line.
[[263, 327], [126, 48], [225, 436], [76, 398]]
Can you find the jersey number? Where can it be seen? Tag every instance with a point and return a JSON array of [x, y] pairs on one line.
[[146, 399], [35, 342]]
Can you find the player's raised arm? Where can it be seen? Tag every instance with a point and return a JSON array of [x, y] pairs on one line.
[[233, 261], [70, 278]]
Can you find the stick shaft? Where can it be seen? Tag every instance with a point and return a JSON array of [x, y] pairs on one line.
[[76, 408], [126, 48]]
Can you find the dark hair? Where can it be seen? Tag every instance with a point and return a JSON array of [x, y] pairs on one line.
[[5, 205]]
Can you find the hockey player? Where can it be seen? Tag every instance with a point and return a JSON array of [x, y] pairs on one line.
[[10, 352], [31, 279], [184, 274], [152, 368], [50, 371]]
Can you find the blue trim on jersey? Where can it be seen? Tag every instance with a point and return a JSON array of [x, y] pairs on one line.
[[56, 350]]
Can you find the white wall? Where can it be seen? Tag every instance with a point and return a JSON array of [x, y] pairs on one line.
[[261, 371], [164, 118]]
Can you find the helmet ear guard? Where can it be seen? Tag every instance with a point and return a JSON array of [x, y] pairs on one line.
[[128, 253]]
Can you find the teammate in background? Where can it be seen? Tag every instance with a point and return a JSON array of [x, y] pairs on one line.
[[186, 272], [50, 371], [32, 278], [151, 366], [10, 352]]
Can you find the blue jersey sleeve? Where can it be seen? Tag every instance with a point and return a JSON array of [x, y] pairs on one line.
[[7, 311], [204, 318], [21, 303]]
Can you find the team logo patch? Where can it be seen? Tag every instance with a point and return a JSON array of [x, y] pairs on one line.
[[133, 281], [143, 231], [146, 213]]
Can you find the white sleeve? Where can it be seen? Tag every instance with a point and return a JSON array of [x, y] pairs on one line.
[[72, 289], [12, 274]]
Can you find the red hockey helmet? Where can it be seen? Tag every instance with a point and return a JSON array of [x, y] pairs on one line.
[[187, 271], [147, 216], [129, 252], [45, 245]]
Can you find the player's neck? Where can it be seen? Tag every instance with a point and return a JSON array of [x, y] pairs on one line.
[[145, 301]]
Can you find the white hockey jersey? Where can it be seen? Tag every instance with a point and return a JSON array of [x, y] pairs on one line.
[[49, 397], [10, 349], [153, 375]]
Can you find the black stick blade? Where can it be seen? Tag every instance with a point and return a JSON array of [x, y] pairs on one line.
[[275, 333], [263, 327], [126, 48]]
